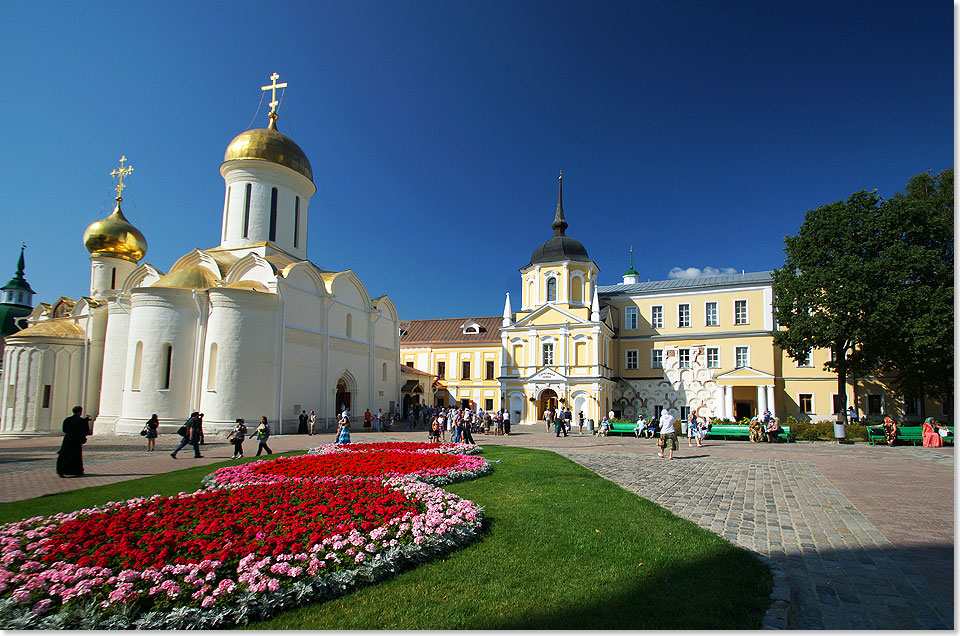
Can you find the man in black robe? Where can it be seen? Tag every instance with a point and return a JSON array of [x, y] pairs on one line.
[[70, 455]]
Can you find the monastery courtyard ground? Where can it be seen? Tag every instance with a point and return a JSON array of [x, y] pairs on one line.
[[864, 534]]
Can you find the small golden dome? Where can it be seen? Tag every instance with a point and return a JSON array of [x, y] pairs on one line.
[[194, 277], [115, 236], [269, 144]]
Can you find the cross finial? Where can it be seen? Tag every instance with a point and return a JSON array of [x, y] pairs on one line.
[[273, 92], [120, 174]]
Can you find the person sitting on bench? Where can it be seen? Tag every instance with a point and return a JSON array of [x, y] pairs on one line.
[[890, 430], [773, 430]]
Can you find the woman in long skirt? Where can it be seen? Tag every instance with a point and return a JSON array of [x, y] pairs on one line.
[[75, 431], [343, 431]]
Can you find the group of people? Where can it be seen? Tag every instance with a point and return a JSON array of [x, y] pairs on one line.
[[765, 428], [460, 424]]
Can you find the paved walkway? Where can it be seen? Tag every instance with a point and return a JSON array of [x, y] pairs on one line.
[[864, 533]]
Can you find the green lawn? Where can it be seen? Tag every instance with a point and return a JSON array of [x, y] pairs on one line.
[[541, 564]]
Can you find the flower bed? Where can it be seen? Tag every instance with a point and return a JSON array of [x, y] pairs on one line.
[[221, 557], [432, 467], [423, 447]]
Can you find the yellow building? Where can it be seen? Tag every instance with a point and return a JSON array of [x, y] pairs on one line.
[[703, 344]]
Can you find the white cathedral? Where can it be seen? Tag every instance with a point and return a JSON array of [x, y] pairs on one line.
[[245, 329]]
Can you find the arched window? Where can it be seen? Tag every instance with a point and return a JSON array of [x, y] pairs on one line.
[[137, 363], [296, 222], [349, 325], [273, 214], [246, 210], [384, 371], [166, 361], [530, 298], [551, 290], [113, 278], [576, 290], [226, 214], [212, 368]]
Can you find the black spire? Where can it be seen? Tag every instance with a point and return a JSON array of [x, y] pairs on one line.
[[559, 223]]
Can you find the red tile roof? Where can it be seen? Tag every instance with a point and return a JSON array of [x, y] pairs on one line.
[[407, 369], [449, 331]]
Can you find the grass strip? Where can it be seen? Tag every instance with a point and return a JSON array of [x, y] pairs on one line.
[[562, 549]]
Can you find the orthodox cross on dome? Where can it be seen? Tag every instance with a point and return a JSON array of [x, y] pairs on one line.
[[120, 174], [273, 92], [559, 222]]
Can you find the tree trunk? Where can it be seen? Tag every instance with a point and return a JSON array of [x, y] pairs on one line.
[[841, 382]]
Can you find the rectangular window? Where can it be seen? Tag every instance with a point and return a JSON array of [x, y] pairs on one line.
[[683, 315], [441, 370], [806, 361], [488, 404], [296, 222], [633, 357], [246, 211], [489, 370], [911, 406], [713, 357], [656, 358], [168, 367], [547, 354], [657, 411], [684, 413], [273, 214], [465, 370], [837, 407], [46, 396], [743, 357], [874, 404], [631, 321], [740, 312], [711, 314], [656, 316], [684, 358], [805, 400]]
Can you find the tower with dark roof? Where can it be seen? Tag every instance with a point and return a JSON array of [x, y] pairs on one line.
[[17, 300]]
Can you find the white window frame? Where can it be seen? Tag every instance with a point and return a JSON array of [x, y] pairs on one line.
[[736, 356], [717, 365], [833, 401], [716, 313], [680, 364], [631, 320], [869, 395], [746, 312], [636, 359], [543, 354], [680, 324], [809, 362], [656, 321], [813, 405], [653, 359]]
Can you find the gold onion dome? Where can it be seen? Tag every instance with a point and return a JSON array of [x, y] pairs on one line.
[[115, 236], [269, 144]]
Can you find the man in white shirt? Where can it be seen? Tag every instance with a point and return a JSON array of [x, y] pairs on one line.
[[668, 434]]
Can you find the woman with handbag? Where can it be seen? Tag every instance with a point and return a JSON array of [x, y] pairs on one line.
[[150, 432], [237, 436]]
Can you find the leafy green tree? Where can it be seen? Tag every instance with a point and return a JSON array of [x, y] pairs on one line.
[[872, 281], [915, 317], [826, 289]]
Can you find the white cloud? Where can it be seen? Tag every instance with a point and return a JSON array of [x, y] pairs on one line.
[[696, 272]]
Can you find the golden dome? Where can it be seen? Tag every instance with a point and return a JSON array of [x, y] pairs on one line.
[[58, 328], [115, 236], [269, 144], [194, 277]]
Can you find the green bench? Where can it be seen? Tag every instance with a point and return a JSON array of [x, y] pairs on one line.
[[742, 430], [912, 434], [621, 428]]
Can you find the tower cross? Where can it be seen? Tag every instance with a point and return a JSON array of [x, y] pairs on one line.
[[120, 174], [273, 91]]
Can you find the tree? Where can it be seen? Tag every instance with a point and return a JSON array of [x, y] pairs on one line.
[[872, 281], [915, 319], [826, 288]]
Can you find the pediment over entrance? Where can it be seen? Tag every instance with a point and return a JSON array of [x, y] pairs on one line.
[[744, 373], [546, 375]]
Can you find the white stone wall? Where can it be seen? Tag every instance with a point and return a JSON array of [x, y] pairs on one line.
[[114, 365], [28, 366], [695, 387]]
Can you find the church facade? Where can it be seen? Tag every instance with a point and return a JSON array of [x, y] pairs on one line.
[[702, 345], [247, 328]]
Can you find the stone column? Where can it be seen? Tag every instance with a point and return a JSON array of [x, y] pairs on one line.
[[771, 401], [728, 401], [761, 400]]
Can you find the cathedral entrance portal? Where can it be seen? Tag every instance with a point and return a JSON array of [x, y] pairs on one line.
[[548, 400], [343, 396]]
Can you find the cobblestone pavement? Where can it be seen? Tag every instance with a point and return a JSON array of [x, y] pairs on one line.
[[865, 534]]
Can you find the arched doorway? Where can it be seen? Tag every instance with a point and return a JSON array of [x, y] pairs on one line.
[[343, 396], [548, 400]]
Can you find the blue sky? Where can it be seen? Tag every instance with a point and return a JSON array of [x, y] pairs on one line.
[[700, 133]]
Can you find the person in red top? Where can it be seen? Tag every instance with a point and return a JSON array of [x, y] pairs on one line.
[[366, 419]]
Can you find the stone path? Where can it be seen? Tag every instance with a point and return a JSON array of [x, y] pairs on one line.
[[864, 534]]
